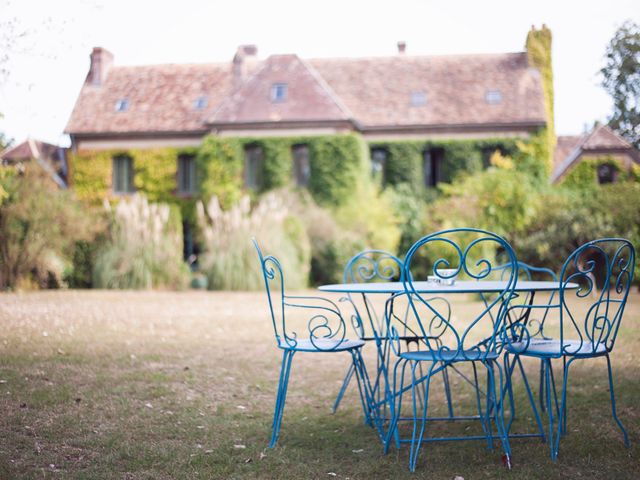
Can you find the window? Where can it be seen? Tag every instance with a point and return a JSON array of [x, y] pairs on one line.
[[253, 167], [301, 166], [418, 98], [122, 174], [186, 174], [378, 162], [607, 173], [278, 92], [493, 97], [122, 105], [432, 166], [200, 103]]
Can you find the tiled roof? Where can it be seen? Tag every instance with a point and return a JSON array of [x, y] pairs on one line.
[[51, 157], [161, 98], [308, 98], [372, 92], [378, 90], [601, 140]]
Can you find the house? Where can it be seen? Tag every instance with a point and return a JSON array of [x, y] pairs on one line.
[[602, 152], [265, 123], [398, 97], [51, 158]]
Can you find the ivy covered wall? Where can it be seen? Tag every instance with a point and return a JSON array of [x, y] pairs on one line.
[[585, 172], [538, 47], [405, 158]]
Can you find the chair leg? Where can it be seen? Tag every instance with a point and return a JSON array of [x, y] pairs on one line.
[[287, 359], [547, 385], [613, 405], [485, 427], [447, 390], [543, 407], [499, 407], [416, 440], [531, 399], [395, 409], [508, 368], [343, 388], [563, 406], [364, 386]]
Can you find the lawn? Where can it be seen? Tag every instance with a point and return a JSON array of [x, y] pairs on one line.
[[159, 385]]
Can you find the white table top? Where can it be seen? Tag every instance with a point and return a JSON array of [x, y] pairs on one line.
[[458, 287]]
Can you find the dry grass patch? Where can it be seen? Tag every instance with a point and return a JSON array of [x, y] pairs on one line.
[[168, 385]]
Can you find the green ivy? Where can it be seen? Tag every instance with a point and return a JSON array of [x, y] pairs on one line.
[[585, 173], [538, 46]]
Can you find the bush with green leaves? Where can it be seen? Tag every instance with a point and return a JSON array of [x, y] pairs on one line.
[[229, 259], [39, 225], [143, 249]]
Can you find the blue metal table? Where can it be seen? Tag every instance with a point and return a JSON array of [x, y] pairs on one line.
[[459, 287]]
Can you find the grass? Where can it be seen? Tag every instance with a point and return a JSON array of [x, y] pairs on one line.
[[165, 385]]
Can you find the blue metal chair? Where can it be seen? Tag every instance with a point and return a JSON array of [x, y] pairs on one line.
[[588, 322], [535, 326], [471, 338], [365, 267], [326, 332], [377, 266]]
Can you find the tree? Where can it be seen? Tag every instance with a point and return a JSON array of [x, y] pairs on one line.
[[621, 79]]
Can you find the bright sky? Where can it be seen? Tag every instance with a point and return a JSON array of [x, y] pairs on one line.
[[47, 65]]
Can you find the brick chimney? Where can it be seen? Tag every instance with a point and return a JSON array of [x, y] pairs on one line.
[[244, 62], [101, 63], [402, 47]]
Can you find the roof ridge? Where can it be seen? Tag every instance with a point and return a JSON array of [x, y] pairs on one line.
[[327, 88], [412, 57], [228, 99]]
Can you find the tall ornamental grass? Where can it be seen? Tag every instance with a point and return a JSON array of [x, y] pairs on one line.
[[229, 259], [144, 249]]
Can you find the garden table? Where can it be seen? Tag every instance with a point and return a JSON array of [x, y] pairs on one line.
[[479, 287]]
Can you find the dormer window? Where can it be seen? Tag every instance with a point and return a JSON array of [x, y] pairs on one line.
[[418, 98], [200, 103], [278, 92], [493, 97], [122, 105]]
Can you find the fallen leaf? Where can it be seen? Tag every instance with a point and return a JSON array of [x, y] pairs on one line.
[[360, 450], [247, 460], [332, 474], [239, 446], [263, 455], [148, 405]]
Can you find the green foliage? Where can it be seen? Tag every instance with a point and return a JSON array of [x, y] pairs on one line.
[[80, 273], [408, 208], [567, 218], [405, 158], [500, 200], [585, 173], [229, 259], [220, 164], [538, 46], [370, 216], [39, 224], [621, 79], [338, 165], [144, 249]]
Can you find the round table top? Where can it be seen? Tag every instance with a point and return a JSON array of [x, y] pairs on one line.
[[463, 286]]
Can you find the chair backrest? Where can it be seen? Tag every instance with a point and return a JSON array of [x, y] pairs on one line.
[[366, 267], [274, 285], [374, 266], [318, 319], [466, 330], [591, 314], [526, 272]]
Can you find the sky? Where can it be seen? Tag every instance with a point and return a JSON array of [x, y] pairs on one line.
[[45, 45]]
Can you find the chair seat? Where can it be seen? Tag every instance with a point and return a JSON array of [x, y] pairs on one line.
[[320, 345], [551, 348], [449, 355]]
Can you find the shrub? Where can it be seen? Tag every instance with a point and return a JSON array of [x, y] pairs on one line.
[[144, 248], [39, 224], [229, 259]]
